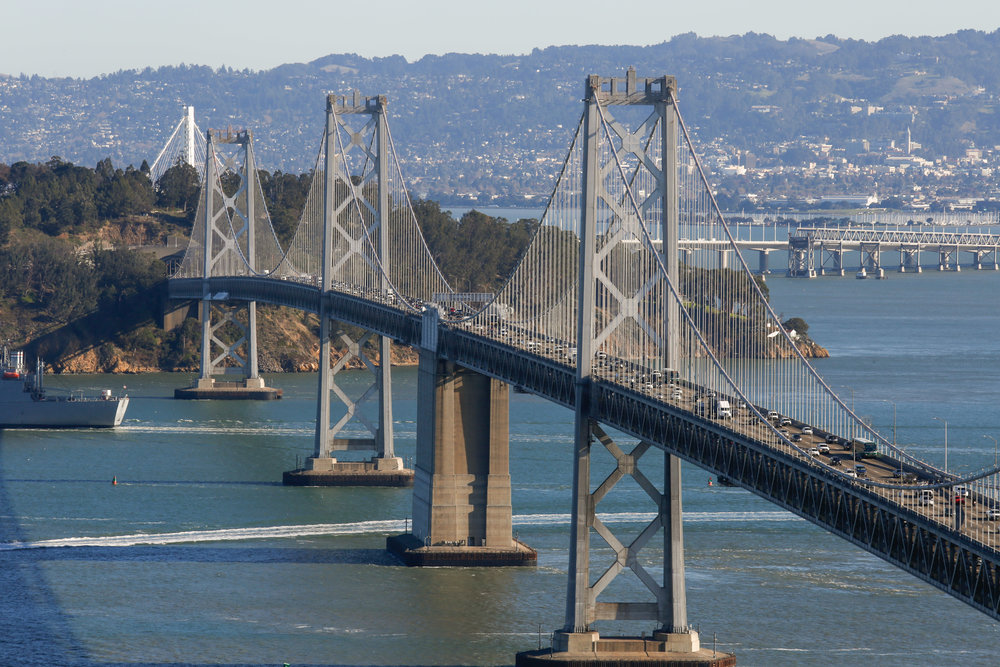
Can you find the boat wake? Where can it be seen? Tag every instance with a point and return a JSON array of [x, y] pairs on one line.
[[358, 528]]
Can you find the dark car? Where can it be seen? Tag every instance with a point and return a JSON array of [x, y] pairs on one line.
[[835, 460]]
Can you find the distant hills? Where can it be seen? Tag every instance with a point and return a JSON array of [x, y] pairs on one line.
[[494, 128]]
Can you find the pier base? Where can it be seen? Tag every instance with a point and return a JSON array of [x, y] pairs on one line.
[[250, 389], [385, 471], [588, 649], [413, 552]]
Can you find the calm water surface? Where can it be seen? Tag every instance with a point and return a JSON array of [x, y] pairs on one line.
[[199, 555]]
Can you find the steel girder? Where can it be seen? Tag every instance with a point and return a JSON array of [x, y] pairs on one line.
[[531, 372], [379, 318], [945, 559]]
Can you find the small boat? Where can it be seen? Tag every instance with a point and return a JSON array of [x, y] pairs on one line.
[[725, 481], [862, 274], [25, 404]]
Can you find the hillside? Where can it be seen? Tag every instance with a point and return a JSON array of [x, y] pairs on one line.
[[491, 128], [84, 287]]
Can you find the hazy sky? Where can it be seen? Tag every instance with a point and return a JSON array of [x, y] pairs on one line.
[[85, 38]]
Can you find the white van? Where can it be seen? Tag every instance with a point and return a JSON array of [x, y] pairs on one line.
[[723, 410]]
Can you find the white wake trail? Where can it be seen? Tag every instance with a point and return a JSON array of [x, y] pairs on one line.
[[387, 526]]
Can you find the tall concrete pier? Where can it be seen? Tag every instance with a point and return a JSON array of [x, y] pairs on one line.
[[461, 494]]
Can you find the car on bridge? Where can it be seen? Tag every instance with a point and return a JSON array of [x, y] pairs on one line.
[[993, 514], [835, 460], [860, 470], [824, 449]]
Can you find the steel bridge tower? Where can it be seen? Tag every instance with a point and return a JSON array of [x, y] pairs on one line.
[[230, 229], [342, 199], [672, 633]]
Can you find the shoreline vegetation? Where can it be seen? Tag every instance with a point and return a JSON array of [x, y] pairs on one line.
[[83, 282]]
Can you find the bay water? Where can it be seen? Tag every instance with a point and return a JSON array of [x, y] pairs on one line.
[[198, 555]]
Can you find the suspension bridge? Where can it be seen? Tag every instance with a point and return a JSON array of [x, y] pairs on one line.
[[652, 341]]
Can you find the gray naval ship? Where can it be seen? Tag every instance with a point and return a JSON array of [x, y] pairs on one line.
[[25, 404]]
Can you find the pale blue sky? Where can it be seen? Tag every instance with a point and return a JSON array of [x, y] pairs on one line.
[[81, 38]]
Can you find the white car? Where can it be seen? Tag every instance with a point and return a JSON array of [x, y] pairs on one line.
[[814, 451], [851, 473], [824, 449], [807, 430], [993, 514]]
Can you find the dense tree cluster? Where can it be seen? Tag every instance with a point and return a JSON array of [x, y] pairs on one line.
[[477, 252], [58, 197], [53, 280]]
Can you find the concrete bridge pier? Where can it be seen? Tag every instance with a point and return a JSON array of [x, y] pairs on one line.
[[461, 497], [762, 262], [724, 259]]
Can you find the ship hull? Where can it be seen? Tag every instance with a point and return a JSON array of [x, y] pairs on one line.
[[63, 413]]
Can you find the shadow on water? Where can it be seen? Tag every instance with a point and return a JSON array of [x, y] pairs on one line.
[[32, 624], [198, 554], [149, 482]]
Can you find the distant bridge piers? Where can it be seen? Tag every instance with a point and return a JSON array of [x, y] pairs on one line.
[[833, 242], [831, 259], [909, 259], [981, 254], [763, 267], [948, 259], [871, 260], [801, 261]]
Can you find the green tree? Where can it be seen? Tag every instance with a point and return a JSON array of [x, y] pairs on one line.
[[178, 187]]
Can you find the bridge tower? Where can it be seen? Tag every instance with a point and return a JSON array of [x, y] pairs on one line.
[[229, 231], [182, 147], [355, 212], [578, 642]]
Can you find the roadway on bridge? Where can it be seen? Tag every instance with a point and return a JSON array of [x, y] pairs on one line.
[[980, 518]]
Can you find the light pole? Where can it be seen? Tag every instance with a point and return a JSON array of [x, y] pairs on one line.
[[945, 422], [994, 449]]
